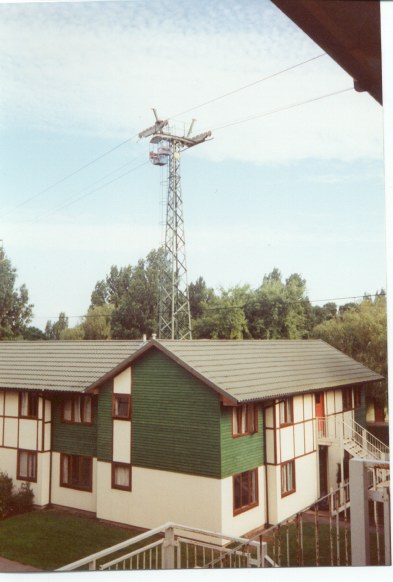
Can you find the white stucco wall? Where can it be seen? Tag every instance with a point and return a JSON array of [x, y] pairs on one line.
[[29, 433], [280, 508], [122, 441], [11, 404], [249, 520], [10, 432], [72, 497], [122, 382], [158, 497]]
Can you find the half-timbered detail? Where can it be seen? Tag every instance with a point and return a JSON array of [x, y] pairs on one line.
[[223, 435]]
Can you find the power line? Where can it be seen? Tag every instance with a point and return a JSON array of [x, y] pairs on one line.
[[27, 200], [106, 153], [74, 200], [331, 299], [229, 93], [278, 109]]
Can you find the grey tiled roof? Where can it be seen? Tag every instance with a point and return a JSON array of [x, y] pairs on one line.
[[258, 369], [60, 365]]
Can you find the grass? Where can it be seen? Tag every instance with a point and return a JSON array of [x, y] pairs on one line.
[[50, 539]]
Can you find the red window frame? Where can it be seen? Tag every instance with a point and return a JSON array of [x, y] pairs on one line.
[[79, 472], [31, 466], [245, 491], [121, 466], [286, 412], [73, 399], [288, 478], [244, 420], [32, 405], [117, 414]]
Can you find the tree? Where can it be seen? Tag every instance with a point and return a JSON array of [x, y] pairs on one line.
[[53, 331], [200, 297], [361, 332], [97, 322], [32, 333], [223, 316], [133, 294], [279, 310], [15, 309]]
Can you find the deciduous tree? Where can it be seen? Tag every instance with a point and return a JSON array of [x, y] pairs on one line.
[[15, 309]]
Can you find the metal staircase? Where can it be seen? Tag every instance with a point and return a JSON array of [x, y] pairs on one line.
[[355, 439]]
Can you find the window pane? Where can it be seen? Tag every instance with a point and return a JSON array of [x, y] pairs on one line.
[[87, 409], [84, 478], [33, 405], [24, 404], [67, 409], [77, 409], [282, 412], [31, 472], [237, 494], [122, 476], [253, 488], [65, 469], [121, 406], [23, 462]]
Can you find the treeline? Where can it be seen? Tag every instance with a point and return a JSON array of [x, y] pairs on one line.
[[124, 305]]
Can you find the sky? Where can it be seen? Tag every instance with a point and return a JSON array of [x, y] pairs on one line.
[[299, 186]]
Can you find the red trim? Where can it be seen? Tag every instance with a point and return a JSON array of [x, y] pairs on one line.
[[125, 397], [18, 473], [31, 397], [72, 461], [81, 398], [242, 476], [115, 465], [282, 465]]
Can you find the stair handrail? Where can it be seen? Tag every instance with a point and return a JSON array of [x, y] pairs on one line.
[[373, 444]]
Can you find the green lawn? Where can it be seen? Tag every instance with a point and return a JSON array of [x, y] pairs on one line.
[[51, 539]]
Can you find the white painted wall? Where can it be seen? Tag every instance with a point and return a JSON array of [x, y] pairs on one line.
[[11, 404], [309, 406], [248, 520], [1, 402], [28, 432], [10, 432], [280, 508], [8, 462], [122, 441], [269, 446], [287, 444], [122, 382], [72, 497]]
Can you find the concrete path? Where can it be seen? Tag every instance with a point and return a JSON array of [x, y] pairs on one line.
[[10, 566]]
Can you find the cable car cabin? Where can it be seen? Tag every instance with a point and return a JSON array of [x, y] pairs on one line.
[[159, 151]]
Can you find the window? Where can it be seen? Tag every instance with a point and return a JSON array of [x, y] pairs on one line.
[[121, 476], [77, 409], [245, 491], [245, 419], [286, 411], [27, 466], [121, 406], [76, 472], [28, 405], [288, 478], [358, 397], [347, 399]]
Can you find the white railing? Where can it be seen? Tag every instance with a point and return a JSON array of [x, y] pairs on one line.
[[175, 546], [332, 428]]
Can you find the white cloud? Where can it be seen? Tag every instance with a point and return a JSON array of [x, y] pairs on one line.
[[99, 68]]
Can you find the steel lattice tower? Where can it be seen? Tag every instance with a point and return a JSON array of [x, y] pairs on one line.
[[174, 305]]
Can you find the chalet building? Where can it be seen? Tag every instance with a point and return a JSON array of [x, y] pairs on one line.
[[221, 435]]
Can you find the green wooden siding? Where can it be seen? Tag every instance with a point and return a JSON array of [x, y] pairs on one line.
[[104, 423], [241, 453], [179, 424], [176, 419], [74, 439]]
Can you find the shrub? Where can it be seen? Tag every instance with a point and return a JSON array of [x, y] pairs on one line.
[[12, 501], [22, 500], [6, 487]]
